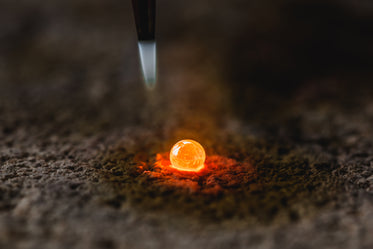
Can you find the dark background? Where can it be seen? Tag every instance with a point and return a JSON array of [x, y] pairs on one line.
[[277, 48]]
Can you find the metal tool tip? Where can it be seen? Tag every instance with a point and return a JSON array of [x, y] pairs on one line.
[[148, 58]]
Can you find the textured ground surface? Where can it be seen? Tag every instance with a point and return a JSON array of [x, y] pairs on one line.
[[278, 93]]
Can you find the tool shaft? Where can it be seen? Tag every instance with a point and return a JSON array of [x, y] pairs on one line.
[[144, 11]]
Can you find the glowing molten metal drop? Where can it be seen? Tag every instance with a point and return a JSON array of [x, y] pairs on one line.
[[187, 155]]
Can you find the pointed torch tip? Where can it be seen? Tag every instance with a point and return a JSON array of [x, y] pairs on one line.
[[148, 58]]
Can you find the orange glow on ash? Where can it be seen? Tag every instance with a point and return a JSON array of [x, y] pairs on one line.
[[218, 175], [187, 155]]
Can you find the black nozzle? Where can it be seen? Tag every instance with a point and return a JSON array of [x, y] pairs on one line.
[[145, 19]]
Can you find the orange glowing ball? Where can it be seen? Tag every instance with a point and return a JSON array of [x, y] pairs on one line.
[[187, 155]]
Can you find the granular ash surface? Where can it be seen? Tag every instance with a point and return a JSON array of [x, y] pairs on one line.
[[278, 93]]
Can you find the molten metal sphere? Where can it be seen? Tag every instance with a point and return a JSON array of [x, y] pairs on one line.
[[187, 155]]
